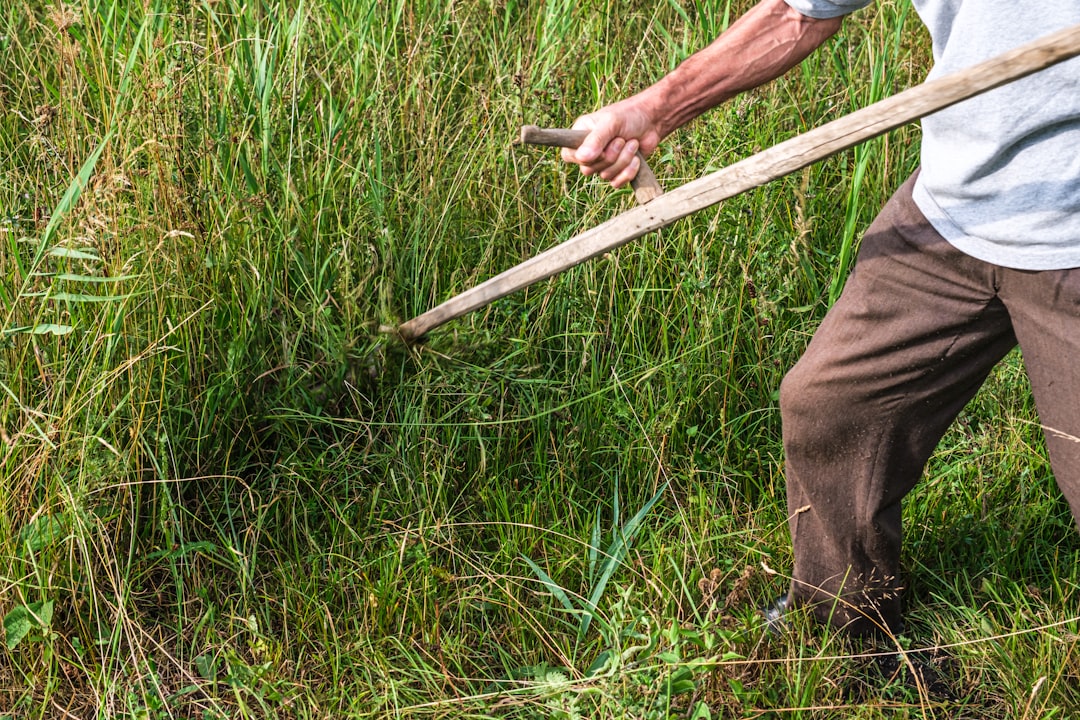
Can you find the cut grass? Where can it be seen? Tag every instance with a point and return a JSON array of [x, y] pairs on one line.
[[239, 500]]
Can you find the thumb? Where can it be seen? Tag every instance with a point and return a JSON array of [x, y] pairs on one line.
[[600, 134]]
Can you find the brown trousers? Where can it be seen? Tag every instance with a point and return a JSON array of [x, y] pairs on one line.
[[915, 333]]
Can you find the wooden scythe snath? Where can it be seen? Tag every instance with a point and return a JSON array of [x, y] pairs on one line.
[[754, 171]]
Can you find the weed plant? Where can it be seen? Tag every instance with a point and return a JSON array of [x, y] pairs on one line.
[[226, 495]]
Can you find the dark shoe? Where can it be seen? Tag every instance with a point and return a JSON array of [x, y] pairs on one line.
[[923, 671], [775, 615]]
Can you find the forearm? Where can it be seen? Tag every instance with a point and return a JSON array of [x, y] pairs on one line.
[[760, 46], [763, 44]]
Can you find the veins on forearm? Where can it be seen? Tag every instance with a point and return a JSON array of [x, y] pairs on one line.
[[762, 45]]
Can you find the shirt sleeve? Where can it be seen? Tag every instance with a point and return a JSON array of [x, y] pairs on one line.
[[827, 8]]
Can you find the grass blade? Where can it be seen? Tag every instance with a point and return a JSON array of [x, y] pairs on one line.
[[552, 586]]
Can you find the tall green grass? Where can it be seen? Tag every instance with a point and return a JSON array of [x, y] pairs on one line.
[[226, 494]]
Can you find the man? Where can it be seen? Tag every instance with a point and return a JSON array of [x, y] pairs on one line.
[[978, 251]]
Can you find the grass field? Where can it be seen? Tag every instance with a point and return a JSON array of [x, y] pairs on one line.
[[226, 495]]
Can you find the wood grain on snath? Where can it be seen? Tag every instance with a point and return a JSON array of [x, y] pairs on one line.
[[754, 171]]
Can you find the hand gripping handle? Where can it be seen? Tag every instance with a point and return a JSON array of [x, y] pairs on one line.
[[646, 186]]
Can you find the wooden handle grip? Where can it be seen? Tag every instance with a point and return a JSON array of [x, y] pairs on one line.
[[552, 137], [646, 186]]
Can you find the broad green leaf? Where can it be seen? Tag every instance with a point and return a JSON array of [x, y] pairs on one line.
[[17, 625], [207, 665], [600, 663], [80, 297], [73, 254], [41, 532], [89, 278], [680, 687], [71, 196], [701, 712], [44, 612], [616, 552], [51, 329], [23, 618]]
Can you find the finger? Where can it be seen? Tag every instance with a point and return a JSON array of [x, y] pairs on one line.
[[628, 173], [593, 146], [610, 161], [618, 165], [586, 157], [612, 153]]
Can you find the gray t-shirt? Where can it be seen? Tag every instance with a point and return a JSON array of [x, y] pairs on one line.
[[1000, 173]]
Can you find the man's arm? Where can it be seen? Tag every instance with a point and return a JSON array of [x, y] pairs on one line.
[[761, 45]]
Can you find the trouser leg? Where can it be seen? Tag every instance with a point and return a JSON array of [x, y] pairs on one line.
[[1045, 311], [913, 336]]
